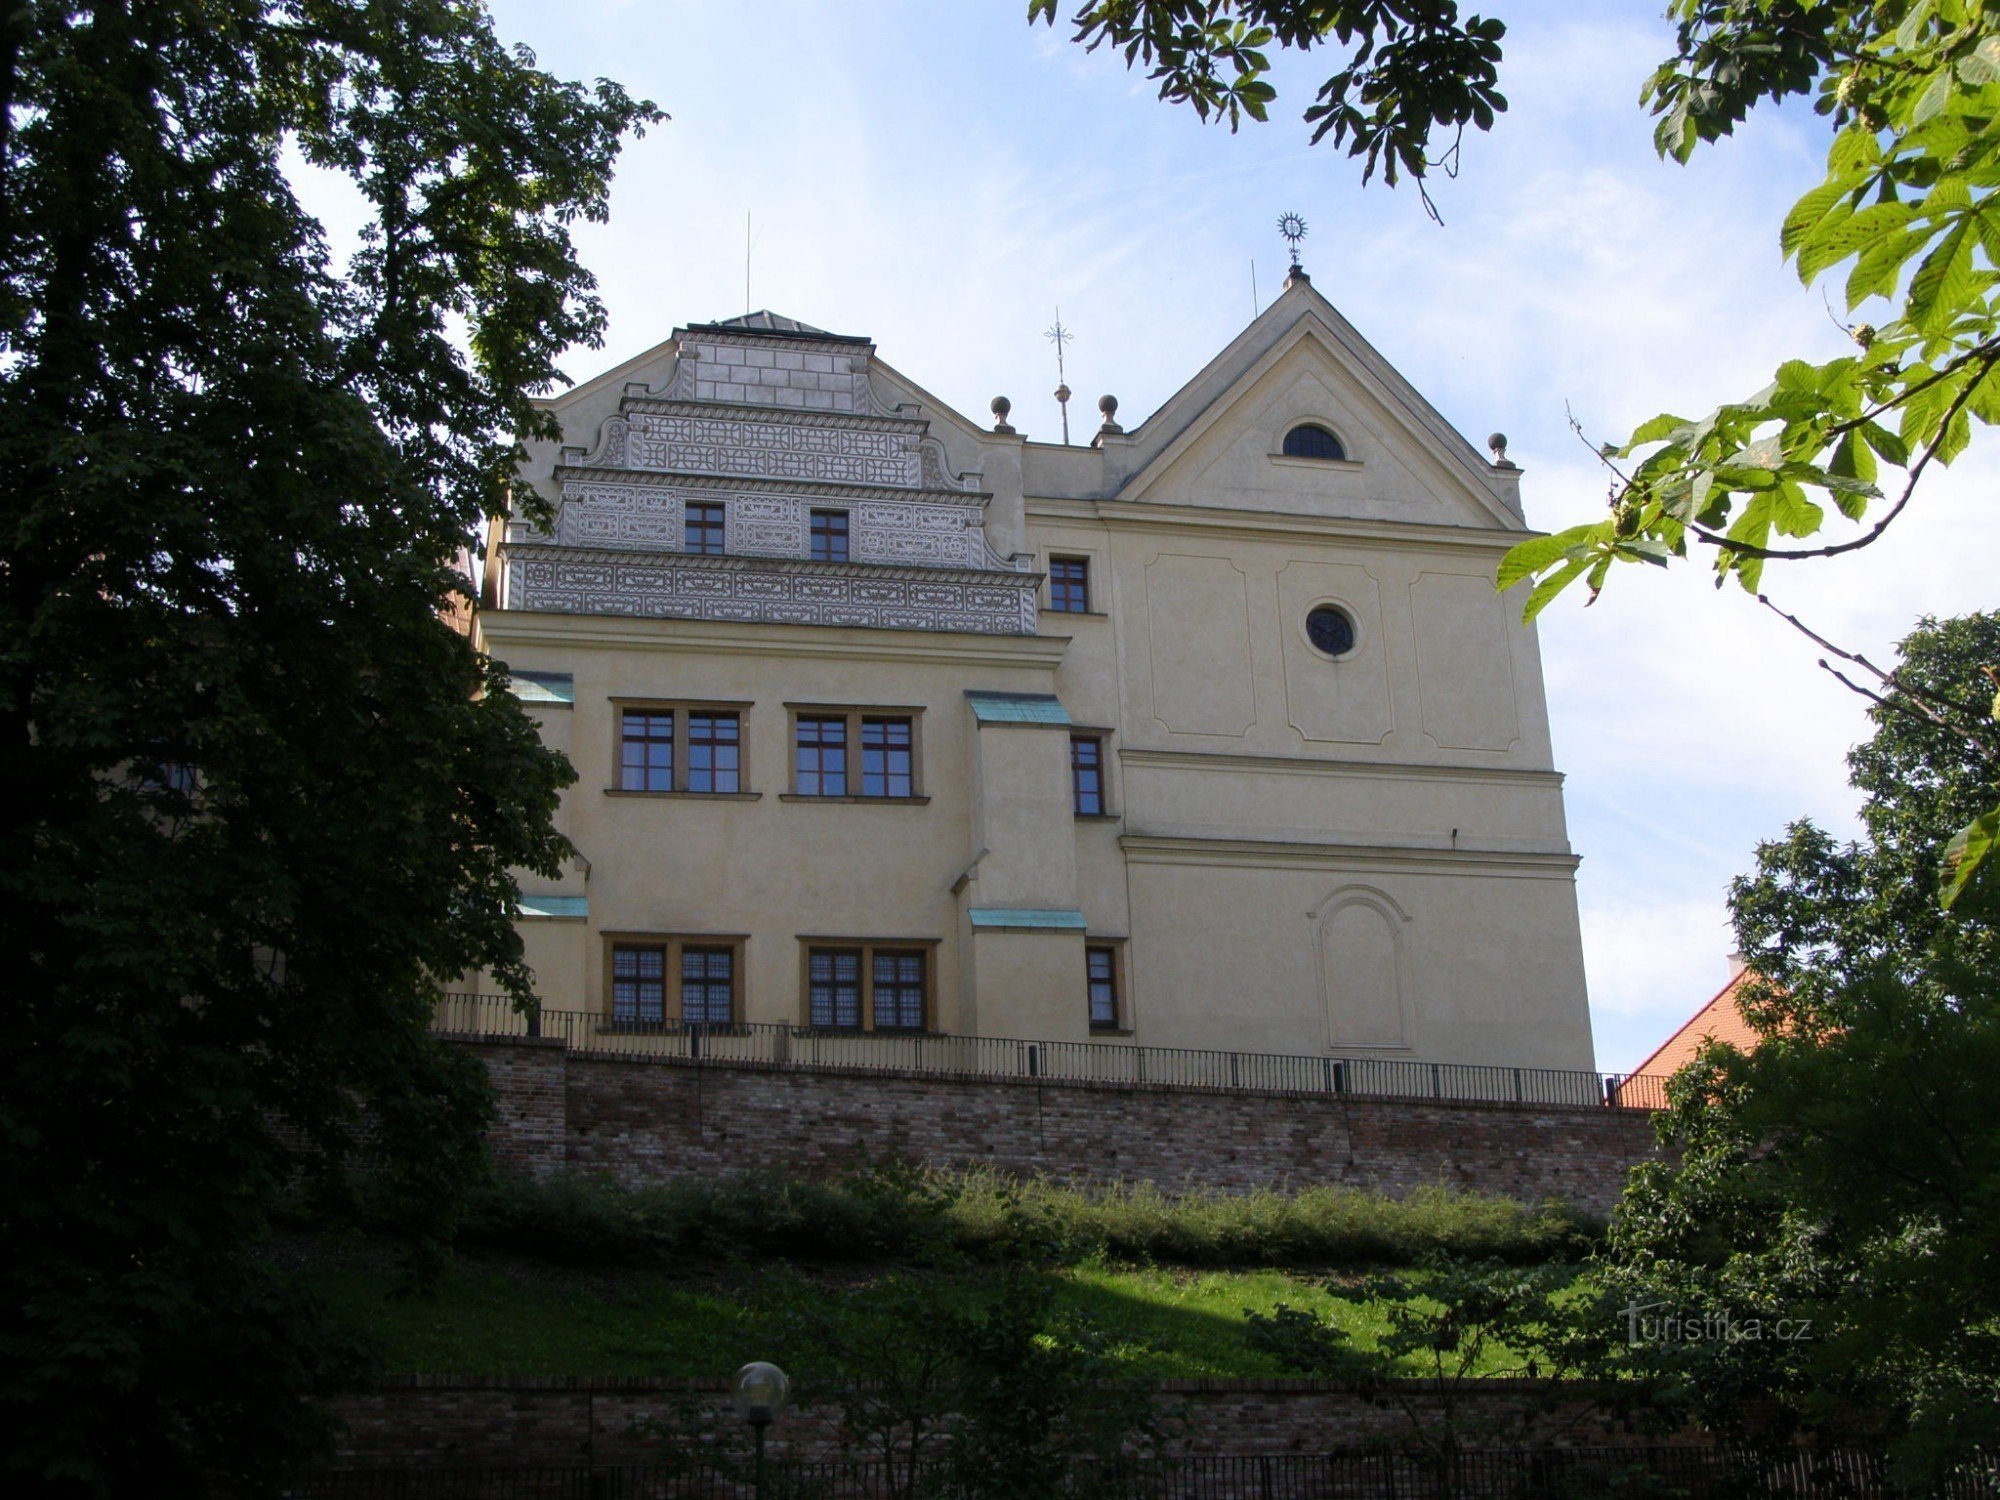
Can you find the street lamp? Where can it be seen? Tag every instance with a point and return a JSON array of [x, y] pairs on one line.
[[760, 1391]]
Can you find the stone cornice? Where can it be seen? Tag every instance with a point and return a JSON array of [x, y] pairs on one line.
[[750, 484], [771, 338], [1263, 525], [1189, 847], [770, 416], [750, 562], [1306, 765], [509, 627]]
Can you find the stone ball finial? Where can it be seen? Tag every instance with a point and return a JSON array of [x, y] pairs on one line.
[[1109, 406], [1000, 407], [1497, 441]]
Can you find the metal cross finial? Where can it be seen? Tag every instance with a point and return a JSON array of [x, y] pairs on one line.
[[1293, 228], [1059, 336]]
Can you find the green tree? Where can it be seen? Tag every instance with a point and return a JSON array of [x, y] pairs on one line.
[[994, 1390], [1906, 209], [1838, 1187], [1454, 1325], [257, 797]]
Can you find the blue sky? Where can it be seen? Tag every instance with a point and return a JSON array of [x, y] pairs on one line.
[[941, 177]]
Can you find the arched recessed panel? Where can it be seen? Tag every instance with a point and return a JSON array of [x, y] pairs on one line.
[[1361, 974], [1310, 440]]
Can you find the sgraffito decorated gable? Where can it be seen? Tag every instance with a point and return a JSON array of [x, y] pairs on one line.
[[699, 501]]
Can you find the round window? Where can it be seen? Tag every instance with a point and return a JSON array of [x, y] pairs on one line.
[[1331, 629]]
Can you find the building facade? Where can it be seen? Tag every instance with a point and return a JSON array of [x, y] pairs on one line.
[[1212, 734]]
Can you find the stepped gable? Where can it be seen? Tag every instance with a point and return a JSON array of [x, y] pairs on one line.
[[772, 420]]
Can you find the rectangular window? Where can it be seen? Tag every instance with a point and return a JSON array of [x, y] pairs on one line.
[[856, 753], [833, 994], [714, 752], [822, 757], [829, 536], [704, 529], [885, 758], [1086, 774], [898, 991], [708, 986], [703, 973], [638, 983], [646, 750], [1069, 585], [683, 749], [1101, 969]]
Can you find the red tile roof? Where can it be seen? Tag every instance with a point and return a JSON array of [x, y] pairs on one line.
[[1722, 1018]]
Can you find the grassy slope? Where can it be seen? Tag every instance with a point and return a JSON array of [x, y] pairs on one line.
[[1163, 1323]]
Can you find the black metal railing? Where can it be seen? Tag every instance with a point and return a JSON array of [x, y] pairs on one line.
[[1689, 1473], [762, 1044]]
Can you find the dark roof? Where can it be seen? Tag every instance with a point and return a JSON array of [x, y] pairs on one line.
[[766, 321]]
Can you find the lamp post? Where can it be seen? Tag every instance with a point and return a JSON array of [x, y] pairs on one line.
[[760, 1391]]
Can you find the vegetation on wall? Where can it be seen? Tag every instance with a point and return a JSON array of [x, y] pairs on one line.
[[909, 1215]]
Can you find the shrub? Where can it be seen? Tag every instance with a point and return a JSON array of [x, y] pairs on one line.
[[895, 1212]]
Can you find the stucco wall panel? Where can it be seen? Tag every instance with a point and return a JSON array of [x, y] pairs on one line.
[[1465, 663], [1345, 700], [1198, 627]]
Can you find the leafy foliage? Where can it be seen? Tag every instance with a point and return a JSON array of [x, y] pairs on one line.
[[1001, 1394], [889, 1211], [1413, 68], [1843, 1177], [1911, 90], [260, 796], [1453, 1322]]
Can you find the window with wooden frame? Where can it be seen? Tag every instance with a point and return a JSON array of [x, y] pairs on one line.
[[638, 983], [1069, 585], [715, 749], [1086, 775], [856, 754], [646, 750], [683, 749], [886, 766], [655, 980], [829, 536], [708, 985], [1100, 962], [703, 529], [867, 985], [820, 755]]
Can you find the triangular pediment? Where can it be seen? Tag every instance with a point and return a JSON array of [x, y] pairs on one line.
[[1219, 442]]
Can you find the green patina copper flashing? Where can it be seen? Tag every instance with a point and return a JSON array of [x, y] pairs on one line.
[[544, 687], [1017, 708], [1018, 916], [555, 906]]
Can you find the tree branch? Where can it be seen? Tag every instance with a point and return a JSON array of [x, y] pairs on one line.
[[1793, 554], [1914, 699]]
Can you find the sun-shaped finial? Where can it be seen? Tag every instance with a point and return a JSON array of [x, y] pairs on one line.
[[1293, 228]]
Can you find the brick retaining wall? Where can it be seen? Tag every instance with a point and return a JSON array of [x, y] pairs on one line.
[[653, 1120]]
